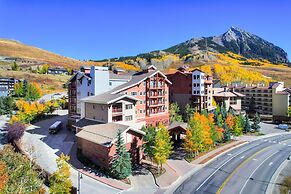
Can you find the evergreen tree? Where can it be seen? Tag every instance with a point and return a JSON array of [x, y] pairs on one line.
[[149, 141], [256, 122], [121, 162], [163, 146], [252, 105], [226, 133], [223, 111], [189, 112], [231, 111], [14, 66], [247, 125]]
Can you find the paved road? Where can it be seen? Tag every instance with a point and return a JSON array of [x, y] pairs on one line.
[[246, 169]]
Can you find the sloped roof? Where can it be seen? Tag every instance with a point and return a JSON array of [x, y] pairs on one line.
[[107, 98], [136, 79], [104, 134]]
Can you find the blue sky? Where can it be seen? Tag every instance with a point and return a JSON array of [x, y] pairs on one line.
[[113, 28]]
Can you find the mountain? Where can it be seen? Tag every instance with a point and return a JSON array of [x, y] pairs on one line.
[[235, 40], [29, 55]]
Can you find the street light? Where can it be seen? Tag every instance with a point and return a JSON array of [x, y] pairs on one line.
[[79, 182]]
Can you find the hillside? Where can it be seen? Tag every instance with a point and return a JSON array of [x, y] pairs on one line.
[[235, 40], [15, 49]]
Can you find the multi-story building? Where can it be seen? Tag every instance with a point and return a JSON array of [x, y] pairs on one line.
[[90, 81], [228, 98], [271, 100], [142, 101], [194, 88], [8, 83], [58, 71]]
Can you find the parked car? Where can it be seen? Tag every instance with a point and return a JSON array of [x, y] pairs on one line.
[[56, 127], [283, 127]]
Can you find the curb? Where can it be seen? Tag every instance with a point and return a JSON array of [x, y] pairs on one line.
[[271, 185]]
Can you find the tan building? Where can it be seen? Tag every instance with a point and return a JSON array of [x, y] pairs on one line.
[[229, 98], [272, 100]]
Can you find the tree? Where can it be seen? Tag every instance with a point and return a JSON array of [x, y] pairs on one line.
[[7, 105], [15, 131], [121, 162], [33, 91], [226, 133], [229, 121], [256, 122], [19, 89], [60, 181], [289, 111], [44, 69], [149, 141], [174, 112], [252, 105], [14, 66], [24, 176], [237, 127], [3, 176], [163, 146], [193, 140], [189, 112], [247, 126]]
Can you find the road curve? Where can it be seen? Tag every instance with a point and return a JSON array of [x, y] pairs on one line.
[[245, 169]]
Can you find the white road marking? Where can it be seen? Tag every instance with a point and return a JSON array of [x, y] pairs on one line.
[[219, 168], [255, 171], [284, 144], [242, 157], [229, 154], [265, 140], [271, 163], [255, 159], [289, 145]]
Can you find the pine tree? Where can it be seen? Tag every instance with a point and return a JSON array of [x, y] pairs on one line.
[[256, 122], [163, 146], [121, 162], [247, 126], [226, 133], [189, 112]]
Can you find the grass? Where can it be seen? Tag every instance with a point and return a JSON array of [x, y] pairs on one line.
[[285, 187], [48, 83], [16, 49]]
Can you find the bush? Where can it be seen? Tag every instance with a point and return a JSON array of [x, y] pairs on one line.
[[15, 131]]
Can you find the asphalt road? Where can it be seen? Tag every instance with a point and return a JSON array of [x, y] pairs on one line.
[[247, 169]]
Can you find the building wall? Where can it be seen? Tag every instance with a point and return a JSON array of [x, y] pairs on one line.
[[198, 83], [98, 112], [102, 155], [280, 104], [100, 80], [94, 152]]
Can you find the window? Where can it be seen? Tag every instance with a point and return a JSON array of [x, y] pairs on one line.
[[140, 102], [110, 83], [134, 93], [144, 93], [194, 76], [194, 92], [140, 93], [128, 106], [93, 106], [88, 93], [198, 85], [140, 111], [128, 118]]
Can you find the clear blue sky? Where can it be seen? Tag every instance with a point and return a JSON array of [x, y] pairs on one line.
[[87, 29]]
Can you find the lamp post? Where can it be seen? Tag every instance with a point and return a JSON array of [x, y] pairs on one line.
[[79, 182]]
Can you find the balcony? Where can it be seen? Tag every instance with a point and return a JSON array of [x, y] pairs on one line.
[[154, 104], [116, 118]]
